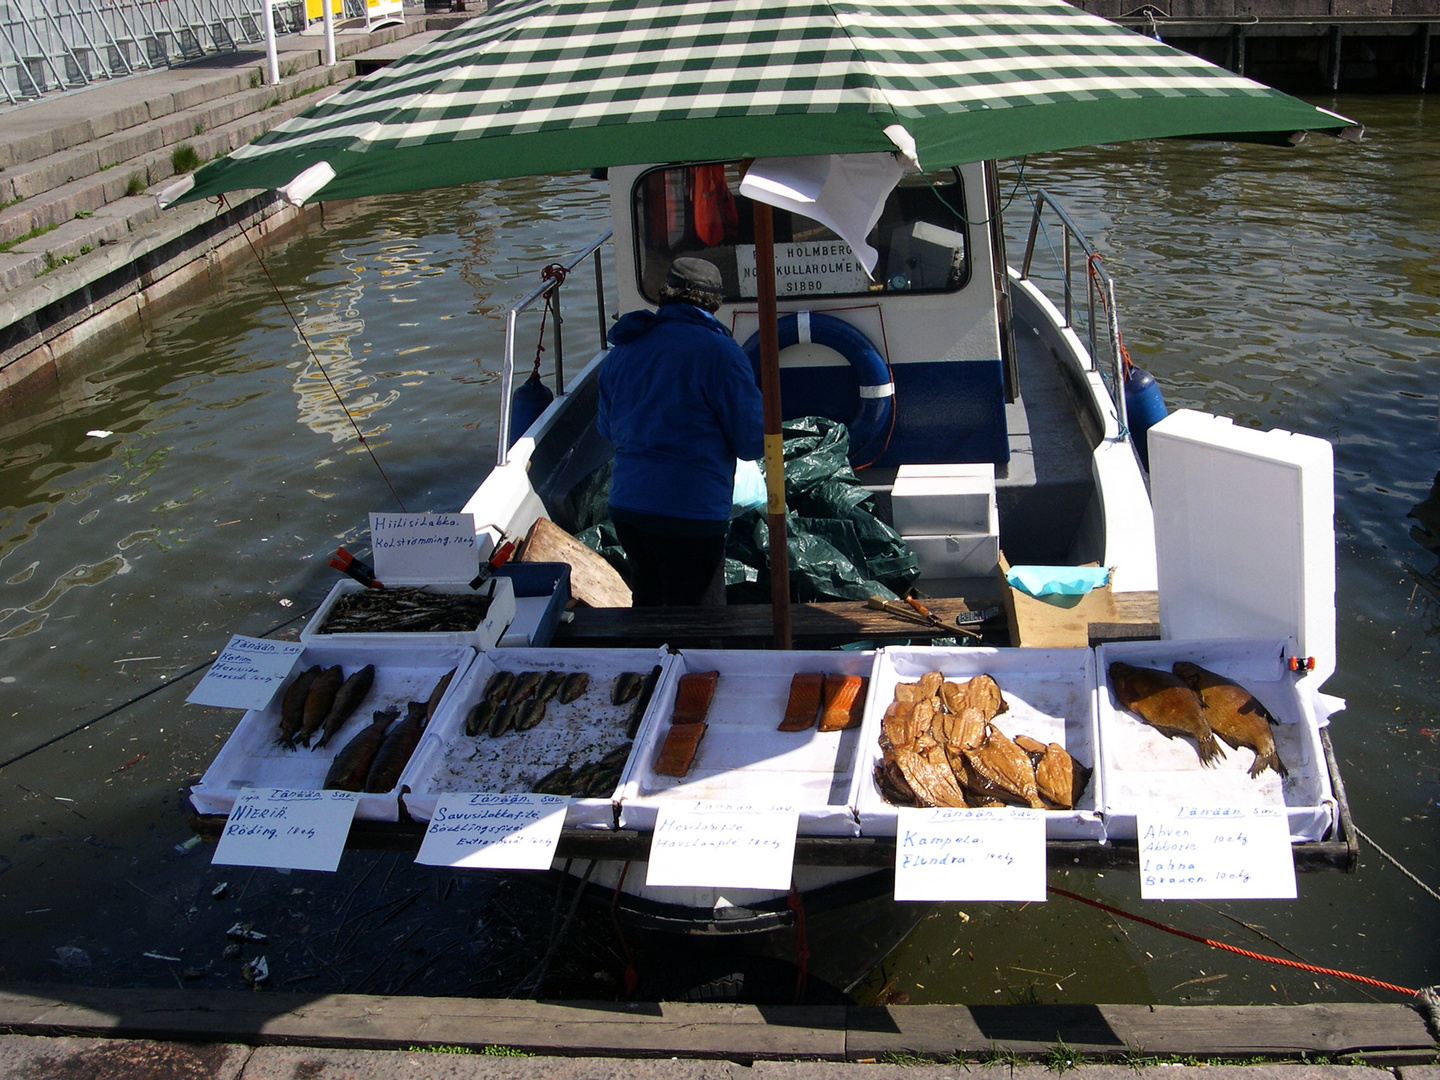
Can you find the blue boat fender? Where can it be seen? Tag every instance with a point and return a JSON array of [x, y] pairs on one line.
[[871, 426], [1144, 408], [527, 403]]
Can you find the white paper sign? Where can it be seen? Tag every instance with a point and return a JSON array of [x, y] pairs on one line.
[[1215, 853], [424, 547], [504, 832], [723, 845], [943, 854], [247, 673], [298, 830]]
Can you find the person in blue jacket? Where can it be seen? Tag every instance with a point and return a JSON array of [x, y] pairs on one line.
[[679, 401]]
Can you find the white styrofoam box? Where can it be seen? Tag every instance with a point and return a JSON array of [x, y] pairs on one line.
[[1143, 769], [1244, 534], [743, 758], [1050, 694], [586, 729], [937, 500], [251, 758], [967, 555], [483, 636]]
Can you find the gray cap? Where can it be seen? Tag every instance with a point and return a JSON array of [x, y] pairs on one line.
[[688, 273]]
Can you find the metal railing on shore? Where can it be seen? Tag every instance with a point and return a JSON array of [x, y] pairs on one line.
[[48, 46]]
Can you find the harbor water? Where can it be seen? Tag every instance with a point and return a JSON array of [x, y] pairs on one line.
[[189, 483]]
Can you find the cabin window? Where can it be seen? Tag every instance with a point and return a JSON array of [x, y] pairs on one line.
[[697, 210]]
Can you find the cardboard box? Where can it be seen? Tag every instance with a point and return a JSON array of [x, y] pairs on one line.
[[1053, 622]]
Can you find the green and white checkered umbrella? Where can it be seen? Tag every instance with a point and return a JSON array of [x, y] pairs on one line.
[[541, 86]]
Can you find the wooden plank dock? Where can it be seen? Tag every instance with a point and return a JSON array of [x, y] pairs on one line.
[[1395, 1032]]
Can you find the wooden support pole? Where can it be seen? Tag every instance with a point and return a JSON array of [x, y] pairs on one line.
[[774, 442]]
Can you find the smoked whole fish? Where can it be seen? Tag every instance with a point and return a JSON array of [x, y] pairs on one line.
[[1234, 714], [352, 763], [1165, 702], [292, 706], [347, 699], [318, 701], [395, 750]]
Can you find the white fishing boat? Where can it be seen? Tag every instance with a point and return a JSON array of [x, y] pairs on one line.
[[985, 408]]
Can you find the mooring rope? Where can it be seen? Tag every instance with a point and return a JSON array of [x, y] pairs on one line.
[[1235, 948], [1396, 862], [314, 357]]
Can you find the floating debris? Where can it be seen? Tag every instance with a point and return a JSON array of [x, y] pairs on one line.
[[245, 932], [231, 952], [161, 956], [256, 971], [218, 892]]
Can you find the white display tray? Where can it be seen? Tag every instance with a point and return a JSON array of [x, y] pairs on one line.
[[1144, 769], [588, 728], [742, 757], [482, 636], [1050, 694], [250, 758]]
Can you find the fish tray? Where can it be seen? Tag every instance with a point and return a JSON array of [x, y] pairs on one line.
[[250, 758], [1145, 770], [482, 636], [586, 729], [1050, 694], [742, 757]]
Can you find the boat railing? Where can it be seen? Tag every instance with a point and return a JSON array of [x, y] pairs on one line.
[[549, 290], [1099, 291]]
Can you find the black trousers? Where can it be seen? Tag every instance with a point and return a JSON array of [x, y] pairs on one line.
[[673, 571]]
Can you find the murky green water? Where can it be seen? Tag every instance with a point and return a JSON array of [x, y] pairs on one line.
[[1291, 289]]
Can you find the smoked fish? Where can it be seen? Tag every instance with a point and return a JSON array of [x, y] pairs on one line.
[[1234, 714], [347, 699], [1166, 703], [352, 764]]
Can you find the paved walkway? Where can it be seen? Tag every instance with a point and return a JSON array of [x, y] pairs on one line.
[[33, 1057]]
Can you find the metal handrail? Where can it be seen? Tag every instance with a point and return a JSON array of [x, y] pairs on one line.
[[549, 290], [1098, 285]]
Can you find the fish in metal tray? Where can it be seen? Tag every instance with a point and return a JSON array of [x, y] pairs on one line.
[[1165, 702], [530, 713], [641, 702], [555, 782], [524, 685], [405, 609], [395, 750], [1234, 714], [625, 687]]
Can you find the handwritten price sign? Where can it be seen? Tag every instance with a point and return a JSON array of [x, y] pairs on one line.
[[503, 832], [298, 830], [723, 845], [945, 854], [246, 674], [1216, 853], [424, 547]]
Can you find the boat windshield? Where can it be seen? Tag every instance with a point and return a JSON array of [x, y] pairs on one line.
[[697, 210]]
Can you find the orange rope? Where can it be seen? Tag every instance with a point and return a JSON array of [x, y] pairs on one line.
[[1235, 949], [555, 272], [1091, 262], [796, 903]]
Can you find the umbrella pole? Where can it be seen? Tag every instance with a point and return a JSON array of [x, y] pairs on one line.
[[774, 444]]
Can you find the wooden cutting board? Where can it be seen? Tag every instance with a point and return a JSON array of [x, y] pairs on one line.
[[593, 581]]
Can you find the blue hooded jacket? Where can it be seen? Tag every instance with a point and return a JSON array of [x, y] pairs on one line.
[[679, 401]]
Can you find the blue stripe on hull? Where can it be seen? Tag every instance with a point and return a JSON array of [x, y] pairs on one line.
[[951, 411]]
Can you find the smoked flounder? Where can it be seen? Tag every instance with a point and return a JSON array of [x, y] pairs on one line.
[[1234, 714], [1167, 704]]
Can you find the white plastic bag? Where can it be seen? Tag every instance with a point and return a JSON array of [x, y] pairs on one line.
[[749, 493]]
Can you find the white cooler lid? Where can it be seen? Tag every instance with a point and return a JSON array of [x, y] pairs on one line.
[[1244, 534]]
